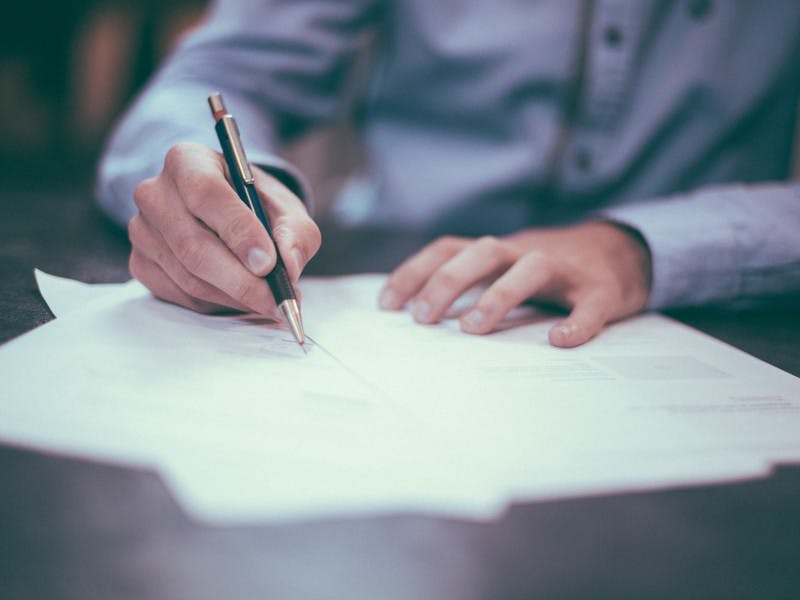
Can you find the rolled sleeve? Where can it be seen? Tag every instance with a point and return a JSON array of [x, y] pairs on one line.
[[280, 65], [125, 164]]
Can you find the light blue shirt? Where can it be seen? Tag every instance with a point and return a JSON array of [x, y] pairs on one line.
[[497, 115]]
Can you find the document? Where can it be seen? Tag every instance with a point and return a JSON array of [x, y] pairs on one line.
[[383, 414]]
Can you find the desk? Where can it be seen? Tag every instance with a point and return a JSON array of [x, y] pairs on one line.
[[76, 529]]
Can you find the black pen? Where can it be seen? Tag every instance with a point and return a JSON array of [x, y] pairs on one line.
[[244, 182]]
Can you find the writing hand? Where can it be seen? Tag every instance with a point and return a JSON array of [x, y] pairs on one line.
[[599, 271], [196, 244]]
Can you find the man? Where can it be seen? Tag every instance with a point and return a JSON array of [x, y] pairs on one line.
[[580, 147]]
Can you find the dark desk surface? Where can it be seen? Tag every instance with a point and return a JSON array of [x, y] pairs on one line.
[[76, 529]]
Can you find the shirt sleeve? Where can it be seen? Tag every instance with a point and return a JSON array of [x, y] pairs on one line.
[[280, 65], [732, 244]]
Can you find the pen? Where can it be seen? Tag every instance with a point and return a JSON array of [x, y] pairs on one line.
[[244, 182]]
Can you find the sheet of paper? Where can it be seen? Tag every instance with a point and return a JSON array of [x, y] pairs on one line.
[[240, 421], [648, 389], [64, 295], [384, 414]]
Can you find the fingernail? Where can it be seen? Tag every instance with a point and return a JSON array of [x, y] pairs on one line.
[[388, 299], [474, 320], [564, 331], [297, 259], [257, 260], [421, 310]]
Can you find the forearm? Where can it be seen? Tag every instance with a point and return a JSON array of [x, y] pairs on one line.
[[163, 116], [279, 64]]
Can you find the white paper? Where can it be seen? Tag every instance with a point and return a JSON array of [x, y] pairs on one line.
[[242, 423], [384, 414], [64, 295]]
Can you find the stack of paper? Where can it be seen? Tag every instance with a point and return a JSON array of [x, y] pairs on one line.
[[384, 414]]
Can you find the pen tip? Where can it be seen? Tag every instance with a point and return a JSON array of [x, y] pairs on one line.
[[291, 313]]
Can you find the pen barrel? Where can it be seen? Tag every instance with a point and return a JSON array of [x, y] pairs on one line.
[[278, 278], [279, 283]]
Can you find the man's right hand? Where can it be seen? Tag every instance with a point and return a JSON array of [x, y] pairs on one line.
[[196, 244]]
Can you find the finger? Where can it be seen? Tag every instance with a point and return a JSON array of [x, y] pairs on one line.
[[202, 252], [412, 274], [475, 262], [587, 318], [159, 283], [526, 277], [150, 245], [295, 232], [198, 174]]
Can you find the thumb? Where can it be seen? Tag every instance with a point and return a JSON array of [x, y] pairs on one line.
[[586, 320]]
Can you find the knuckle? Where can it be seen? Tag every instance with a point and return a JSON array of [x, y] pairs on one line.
[[313, 236], [447, 243], [536, 259], [189, 251], [239, 228], [491, 246], [177, 156], [405, 276], [503, 295], [135, 230], [145, 194], [162, 256], [489, 241], [282, 232], [203, 194], [422, 266], [304, 229], [446, 279]]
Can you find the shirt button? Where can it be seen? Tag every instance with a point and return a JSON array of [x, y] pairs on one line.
[[583, 160], [699, 9], [612, 36]]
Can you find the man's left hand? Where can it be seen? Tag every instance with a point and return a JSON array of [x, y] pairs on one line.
[[599, 271]]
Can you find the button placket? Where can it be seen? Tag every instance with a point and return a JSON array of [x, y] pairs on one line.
[[614, 36], [699, 9]]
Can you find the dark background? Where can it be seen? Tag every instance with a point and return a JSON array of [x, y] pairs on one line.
[[66, 70]]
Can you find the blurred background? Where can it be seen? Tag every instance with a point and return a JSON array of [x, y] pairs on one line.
[[67, 68]]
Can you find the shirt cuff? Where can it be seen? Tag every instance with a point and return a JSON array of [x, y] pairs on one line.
[[288, 174], [692, 246], [136, 150]]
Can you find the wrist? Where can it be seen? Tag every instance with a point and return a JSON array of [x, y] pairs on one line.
[[629, 250]]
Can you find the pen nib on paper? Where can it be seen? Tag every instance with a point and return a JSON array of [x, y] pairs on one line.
[[291, 313]]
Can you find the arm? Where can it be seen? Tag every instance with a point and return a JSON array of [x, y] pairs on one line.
[[280, 64], [717, 245]]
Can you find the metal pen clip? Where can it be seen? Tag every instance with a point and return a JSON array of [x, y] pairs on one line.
[[222, 116]]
